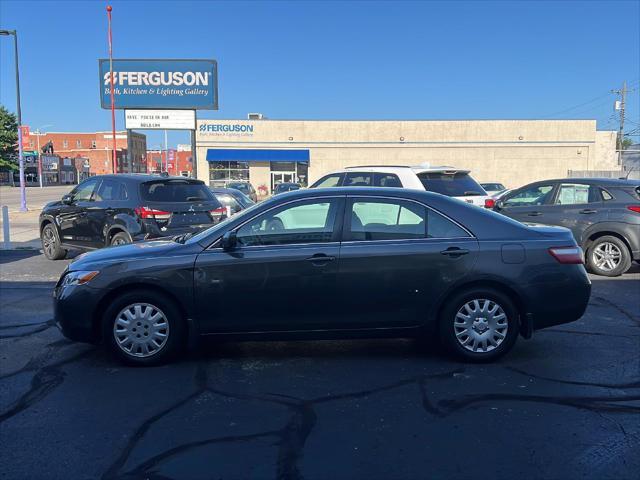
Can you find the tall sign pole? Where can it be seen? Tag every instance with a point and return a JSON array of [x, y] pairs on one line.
[[113, 104]]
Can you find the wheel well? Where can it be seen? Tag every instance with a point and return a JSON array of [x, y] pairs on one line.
[[597, 235], [44, 224], [494, 285], [115, 230], [102, 305]]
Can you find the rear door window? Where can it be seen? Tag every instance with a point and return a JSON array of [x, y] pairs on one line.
[[111, 189], [358, 179], [176, 191], [576, 194], [384, 219], [458, 184], [378, 219], [386, 180]]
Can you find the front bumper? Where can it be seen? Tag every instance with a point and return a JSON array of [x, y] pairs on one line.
[[73, 312]]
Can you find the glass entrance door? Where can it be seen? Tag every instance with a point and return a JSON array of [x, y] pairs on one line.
[[282, 177]]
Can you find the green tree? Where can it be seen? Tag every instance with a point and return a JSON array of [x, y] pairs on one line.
[[8, 139], [626, 143]]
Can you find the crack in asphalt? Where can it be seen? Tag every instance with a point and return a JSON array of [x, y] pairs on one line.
[[41, 327], [291, 439], [617, 307], [46, 379], [632, 384]]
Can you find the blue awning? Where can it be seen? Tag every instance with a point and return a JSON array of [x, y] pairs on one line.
[[256, 155]]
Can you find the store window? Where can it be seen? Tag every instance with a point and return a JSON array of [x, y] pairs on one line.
[[65, 144], [221, 173]]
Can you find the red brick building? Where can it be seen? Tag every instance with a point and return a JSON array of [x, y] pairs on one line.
[[180, 162], [96, 149]]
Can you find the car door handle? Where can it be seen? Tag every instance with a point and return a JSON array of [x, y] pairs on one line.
[[534, 214], [454, 252], [320, 259], [588, 210]]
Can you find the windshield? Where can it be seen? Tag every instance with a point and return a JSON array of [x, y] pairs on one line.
[[175, 191], [458, 184]]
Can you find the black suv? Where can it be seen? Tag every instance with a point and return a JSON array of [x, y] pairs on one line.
[[118, 209], [603, 214]]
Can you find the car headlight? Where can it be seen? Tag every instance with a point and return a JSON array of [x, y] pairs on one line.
[[79, 277]]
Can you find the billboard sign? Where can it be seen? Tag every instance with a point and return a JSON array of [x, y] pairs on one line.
[[159, 84], [160, 119]]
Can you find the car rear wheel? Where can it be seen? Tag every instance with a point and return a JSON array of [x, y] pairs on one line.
[[51, 244], [608, 256], [479, 325], [120, 238], [143, 328]]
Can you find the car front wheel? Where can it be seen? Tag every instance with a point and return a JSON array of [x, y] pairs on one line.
[[608, 256], [143, 328], [479, 325], [51, 244]]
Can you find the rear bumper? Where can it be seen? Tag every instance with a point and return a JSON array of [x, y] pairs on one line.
[[153, 231], [560, 302]]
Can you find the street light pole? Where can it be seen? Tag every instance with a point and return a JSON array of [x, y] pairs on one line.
[[23, 193]]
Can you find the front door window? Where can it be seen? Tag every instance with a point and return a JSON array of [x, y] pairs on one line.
[[538, 195], [310, 221]]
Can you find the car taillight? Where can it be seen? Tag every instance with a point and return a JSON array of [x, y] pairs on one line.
[[146, 212], [568, 255], [489, 203], [218, 211], [634, 208]]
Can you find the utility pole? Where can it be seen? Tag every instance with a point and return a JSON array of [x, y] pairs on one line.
[[621, 106]]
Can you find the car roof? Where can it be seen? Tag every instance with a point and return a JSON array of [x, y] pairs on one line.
[[144, 177], [424, 168], [365, 191], [621, 182]]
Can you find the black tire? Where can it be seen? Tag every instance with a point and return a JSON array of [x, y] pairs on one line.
[[452, 336], [596, 252], [175, 340], [51, 246], [120, 238]]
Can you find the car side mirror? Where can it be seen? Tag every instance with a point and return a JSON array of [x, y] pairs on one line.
[[229, 241], [499, 205], [67, 199]]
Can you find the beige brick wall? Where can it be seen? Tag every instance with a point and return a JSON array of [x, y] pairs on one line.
[[513, 152]]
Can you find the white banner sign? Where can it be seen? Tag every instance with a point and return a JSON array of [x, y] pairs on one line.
[[160, 119]]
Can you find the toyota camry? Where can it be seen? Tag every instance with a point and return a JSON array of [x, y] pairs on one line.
[[330, 263]]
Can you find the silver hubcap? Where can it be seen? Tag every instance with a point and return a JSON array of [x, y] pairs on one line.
[[48, 241], [607, 256], [141, 330], [481, 325], [119, 241]]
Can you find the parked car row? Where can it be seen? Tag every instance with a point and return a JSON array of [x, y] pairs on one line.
[[401, 251]]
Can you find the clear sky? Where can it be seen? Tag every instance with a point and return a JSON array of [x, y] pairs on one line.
[[337, 60]]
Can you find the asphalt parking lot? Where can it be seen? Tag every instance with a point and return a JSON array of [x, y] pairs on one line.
[[565, 404]]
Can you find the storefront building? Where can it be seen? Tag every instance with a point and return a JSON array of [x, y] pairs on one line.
[[513, 152]]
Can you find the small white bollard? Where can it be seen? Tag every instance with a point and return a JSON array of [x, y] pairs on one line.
[[5, 228]]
